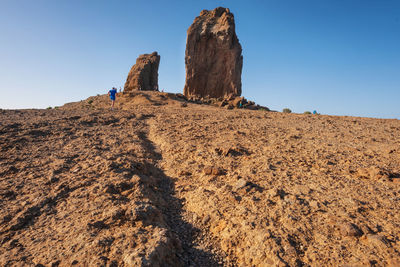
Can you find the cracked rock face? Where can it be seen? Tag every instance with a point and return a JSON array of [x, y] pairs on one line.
[[144, 74], [213, 56]]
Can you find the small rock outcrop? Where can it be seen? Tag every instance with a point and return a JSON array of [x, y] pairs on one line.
[[144, 74], [213, 56]]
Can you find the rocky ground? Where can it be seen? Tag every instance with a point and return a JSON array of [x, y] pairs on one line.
[[163, 182]]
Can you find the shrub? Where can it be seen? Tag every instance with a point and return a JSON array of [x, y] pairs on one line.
[[90, 101], [286, 110], [307, 112], [49, 107]]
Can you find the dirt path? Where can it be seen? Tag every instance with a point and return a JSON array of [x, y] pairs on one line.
[[197, 247]]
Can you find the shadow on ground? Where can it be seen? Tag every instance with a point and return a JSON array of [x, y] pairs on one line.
[[172, 211]]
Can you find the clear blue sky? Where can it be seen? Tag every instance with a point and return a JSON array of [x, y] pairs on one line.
[[339, 57]]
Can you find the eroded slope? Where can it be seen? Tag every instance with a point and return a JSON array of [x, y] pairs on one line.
[[159, 181], [279, 189], [81, 188]]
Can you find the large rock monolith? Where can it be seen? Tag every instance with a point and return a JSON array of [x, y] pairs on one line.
[[144, 74], [213, 56]]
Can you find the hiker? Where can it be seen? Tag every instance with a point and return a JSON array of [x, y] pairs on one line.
[[112, 93]]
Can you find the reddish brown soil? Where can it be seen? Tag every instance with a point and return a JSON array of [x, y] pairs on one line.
[[159, 182]]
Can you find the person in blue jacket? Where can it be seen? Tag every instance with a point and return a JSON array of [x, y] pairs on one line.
[[112, 93]]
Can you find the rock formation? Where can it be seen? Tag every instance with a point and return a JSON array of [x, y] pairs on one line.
[[213, 56], [144, 74]]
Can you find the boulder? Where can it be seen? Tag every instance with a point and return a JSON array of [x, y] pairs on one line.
[[213, 56], [144, 74]]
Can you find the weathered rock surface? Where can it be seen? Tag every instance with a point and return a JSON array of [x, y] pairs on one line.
[[213, 56], [144, 74]]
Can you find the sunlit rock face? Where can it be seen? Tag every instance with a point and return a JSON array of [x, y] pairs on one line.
[[213, 56], [144, 74]]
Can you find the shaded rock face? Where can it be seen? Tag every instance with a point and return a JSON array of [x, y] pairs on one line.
[[144, 74], [213, 56]]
